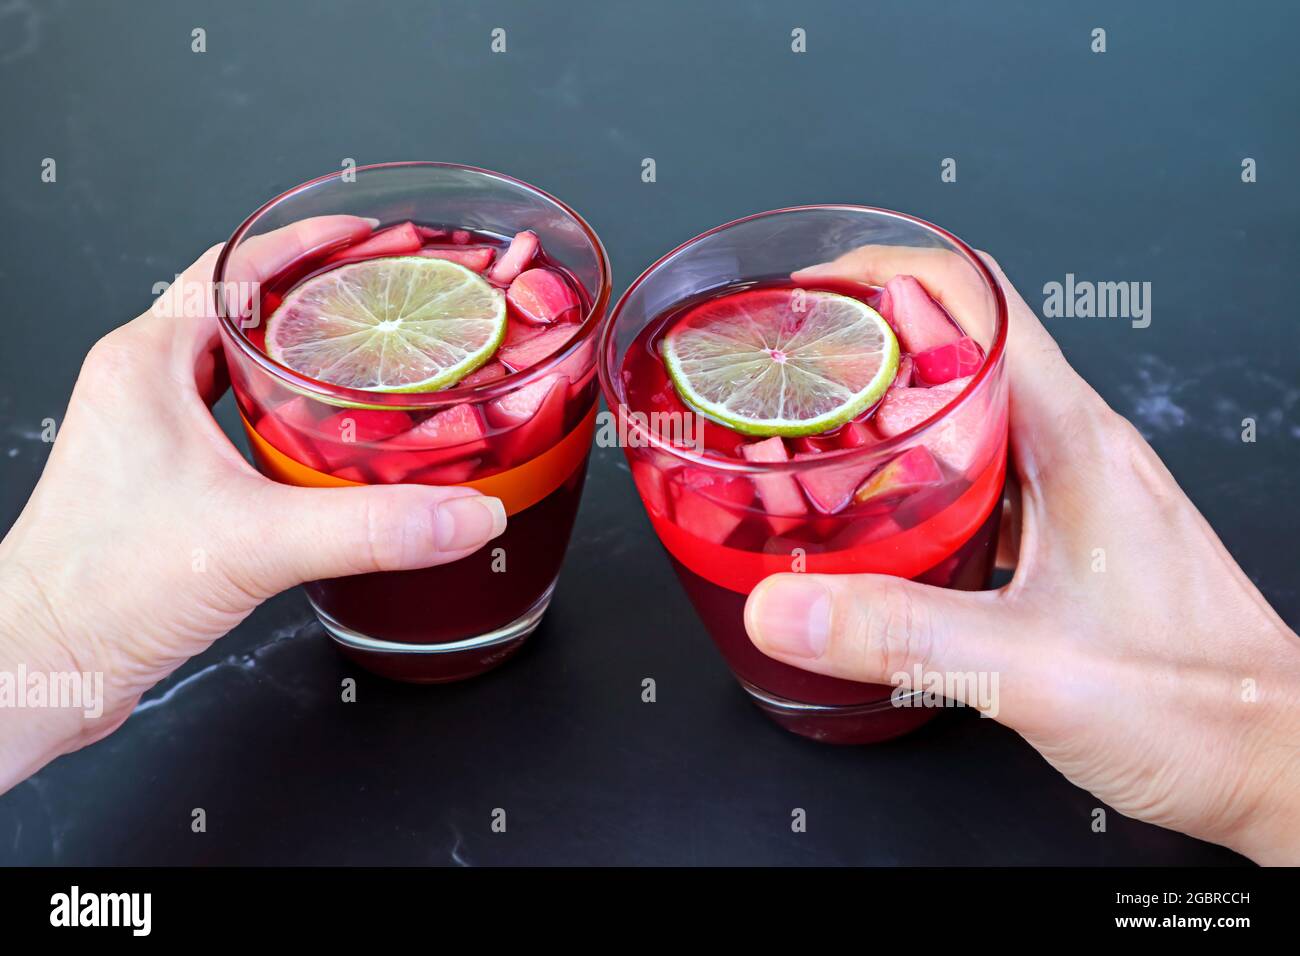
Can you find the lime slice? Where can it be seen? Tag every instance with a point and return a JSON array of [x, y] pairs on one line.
[[781, 361], [397, 324]]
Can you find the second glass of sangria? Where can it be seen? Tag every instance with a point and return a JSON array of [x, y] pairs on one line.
[[816, 389], [423, 323]]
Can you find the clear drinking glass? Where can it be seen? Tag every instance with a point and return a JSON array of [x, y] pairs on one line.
[[722, 544], [524, 438]]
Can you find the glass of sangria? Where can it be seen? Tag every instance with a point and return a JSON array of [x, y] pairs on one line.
[[443, 333], [816, 389]]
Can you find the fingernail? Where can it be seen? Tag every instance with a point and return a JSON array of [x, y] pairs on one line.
[[792, 617], [467, 522], [374, 223]]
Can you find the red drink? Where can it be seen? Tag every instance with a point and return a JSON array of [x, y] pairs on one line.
[[517, 427], [911, 486]]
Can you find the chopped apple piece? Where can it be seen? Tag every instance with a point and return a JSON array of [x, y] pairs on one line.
[[943, 363], [707, 505], [531, 419], [395, 241], [540, 296], [919, 322], [780, 494], [515, 259], [452, 433], [830, 487], [474, 258], [911, 471], [347, 436], [488, 373], [532, 350]]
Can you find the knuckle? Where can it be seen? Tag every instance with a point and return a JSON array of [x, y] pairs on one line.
[[113, 359], [109, 352], [894, 631], [1122, 434], [242, 582], [1139, 464], [1117, 439], [384, 545]]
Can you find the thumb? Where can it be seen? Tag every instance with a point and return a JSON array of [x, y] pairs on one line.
[[872, 627], [305, 534]]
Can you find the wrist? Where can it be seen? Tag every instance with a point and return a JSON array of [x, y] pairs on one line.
[[1269, 833], [48, 703], [1271, 836]]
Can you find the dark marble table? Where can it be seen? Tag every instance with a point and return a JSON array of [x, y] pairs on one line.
[[1122, 166]]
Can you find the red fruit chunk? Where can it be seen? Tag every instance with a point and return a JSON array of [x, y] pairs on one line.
[[579, 386], [666, 399], [918, 321], [346, 435], [364, 425], [462, 237], [694, 428], [902, 408], [768, 450], [429, 234], [779, 493], [830, 488], [532, 417], [530, 351], [650, 483], [287, 429], [395, 467], [456, 432], [488, 373], [475, 258], [866, 530], [398, 241], [673, 416], [300, 414], [519, 332], [856, 434], [522, 249], [540, 296], [521, 405], [943, 363], [453, 473], [580, 367], [903, 378], [709, 506], [911, 471], [955, 442], [717, 438]]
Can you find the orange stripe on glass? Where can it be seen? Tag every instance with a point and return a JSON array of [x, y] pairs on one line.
[[518, 488]]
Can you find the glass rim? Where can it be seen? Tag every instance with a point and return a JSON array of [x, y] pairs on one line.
[[412, 400], [842, 456]]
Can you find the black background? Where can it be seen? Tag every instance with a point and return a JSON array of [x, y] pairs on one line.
[[1117, 166]]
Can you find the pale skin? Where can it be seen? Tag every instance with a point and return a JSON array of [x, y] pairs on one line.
[[1165, 684], [149, 536], [1129, 682]]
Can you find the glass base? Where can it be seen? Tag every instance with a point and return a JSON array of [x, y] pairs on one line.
[[851, 724], [436, 663]]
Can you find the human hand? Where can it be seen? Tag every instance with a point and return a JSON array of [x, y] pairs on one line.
[[1164, 685], [148, 536]]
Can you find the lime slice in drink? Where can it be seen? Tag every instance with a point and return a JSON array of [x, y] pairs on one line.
[[397, 324], [781, 361]]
